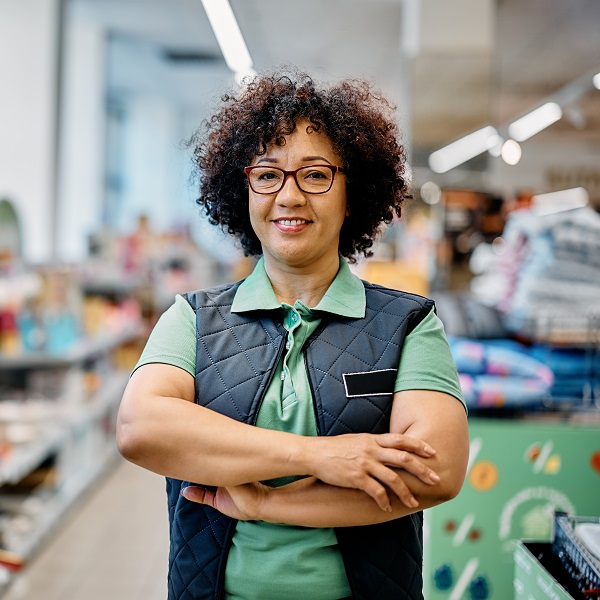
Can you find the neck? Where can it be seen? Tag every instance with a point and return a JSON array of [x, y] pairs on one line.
[[305, 284]]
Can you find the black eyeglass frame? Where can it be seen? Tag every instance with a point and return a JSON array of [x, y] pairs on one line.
[[334, 169]]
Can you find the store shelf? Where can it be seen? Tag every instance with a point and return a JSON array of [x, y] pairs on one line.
[[27, 457], [107, 398], [68, 440], [55, 508], [81, 351]]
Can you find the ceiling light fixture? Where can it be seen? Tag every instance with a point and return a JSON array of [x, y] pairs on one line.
[[230, 39], [464, 149], [495, 148], [554, 202], [530, 124], [596, 81], [511, 152]]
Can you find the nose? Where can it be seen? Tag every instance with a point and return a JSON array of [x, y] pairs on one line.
[[290, 194]]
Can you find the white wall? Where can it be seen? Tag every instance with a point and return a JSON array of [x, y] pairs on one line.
[[83, 123], [151, 162], [28, 67]]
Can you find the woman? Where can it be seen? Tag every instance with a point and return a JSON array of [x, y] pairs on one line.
[[303, 418]]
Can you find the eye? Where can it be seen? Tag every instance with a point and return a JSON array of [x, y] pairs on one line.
[[316, 173], [267, 175]]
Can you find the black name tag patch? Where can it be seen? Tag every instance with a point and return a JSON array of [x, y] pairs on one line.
[[370, 383]]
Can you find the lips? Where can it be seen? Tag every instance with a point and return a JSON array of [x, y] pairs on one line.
[[291, 226], [290, 222]]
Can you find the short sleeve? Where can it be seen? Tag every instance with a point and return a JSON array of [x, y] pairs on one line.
[[173, 339], [426, 362]]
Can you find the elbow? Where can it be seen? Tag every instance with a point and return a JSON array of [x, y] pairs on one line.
[[449, 487], [129, 441], [452, 488]]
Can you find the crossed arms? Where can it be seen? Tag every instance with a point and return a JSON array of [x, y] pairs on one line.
[[354, 479]]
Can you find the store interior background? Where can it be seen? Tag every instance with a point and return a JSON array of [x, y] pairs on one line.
[[98, 221]]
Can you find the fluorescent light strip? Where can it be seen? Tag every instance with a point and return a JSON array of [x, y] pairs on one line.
[[229, 37], [540, 118], [555, 202], [464, 149], [596, 81]]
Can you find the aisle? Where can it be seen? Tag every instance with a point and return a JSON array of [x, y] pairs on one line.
[[113, 546]]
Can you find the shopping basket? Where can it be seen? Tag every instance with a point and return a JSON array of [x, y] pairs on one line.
[[581, 565]]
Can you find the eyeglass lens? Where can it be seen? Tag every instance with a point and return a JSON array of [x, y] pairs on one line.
[[315, 179]]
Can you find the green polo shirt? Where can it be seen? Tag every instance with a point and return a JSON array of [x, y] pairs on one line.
[[273, 561]]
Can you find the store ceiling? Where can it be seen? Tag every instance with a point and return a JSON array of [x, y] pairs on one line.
[[475, 62]]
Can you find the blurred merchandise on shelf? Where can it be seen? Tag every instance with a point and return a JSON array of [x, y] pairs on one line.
[[150, 267], [469, 218], [500, 373], [546, 281], [67, 345], [535, 290], [397, 274], [48, 310], [57, 432], [10, 235], [404, 257], [520, 472]]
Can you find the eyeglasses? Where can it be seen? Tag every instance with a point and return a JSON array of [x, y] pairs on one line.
[[316, 179]]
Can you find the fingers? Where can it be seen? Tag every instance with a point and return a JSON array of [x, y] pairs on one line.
[[410, 464], [378, 493], [395, 483], [404, 442]]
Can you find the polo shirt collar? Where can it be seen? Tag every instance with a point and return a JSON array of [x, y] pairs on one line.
[[345, 296]]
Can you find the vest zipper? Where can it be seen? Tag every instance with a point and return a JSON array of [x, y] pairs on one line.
[[315, 334], [312, 391], [271, 375]]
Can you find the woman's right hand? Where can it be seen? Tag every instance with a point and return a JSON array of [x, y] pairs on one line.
[[367, 462]]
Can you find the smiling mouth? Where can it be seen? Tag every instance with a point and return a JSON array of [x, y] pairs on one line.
[[291, 222]]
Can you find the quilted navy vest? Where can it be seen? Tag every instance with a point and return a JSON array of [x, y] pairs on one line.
[[236, 358]]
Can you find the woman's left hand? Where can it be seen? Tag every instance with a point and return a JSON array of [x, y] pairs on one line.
[[240, 502]]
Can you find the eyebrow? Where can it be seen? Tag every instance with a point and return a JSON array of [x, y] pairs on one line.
[[303, 159]]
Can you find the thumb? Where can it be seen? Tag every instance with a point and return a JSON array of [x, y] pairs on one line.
[[198, 494]]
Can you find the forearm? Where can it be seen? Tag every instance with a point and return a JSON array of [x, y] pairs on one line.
[[311, 503], [185, 441], [161, 428]]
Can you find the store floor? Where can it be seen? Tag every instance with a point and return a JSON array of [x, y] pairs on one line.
[[112, 546]]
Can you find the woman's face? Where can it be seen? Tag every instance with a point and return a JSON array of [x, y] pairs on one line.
[[298, 229]]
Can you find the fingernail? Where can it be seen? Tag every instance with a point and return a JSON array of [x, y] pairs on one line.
[[429, 449], [414, 503], [188, 492], [434, 477], [388, 508]]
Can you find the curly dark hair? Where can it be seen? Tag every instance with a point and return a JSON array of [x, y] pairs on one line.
[[358, 120]]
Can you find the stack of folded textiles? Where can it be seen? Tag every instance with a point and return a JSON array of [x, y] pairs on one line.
[[500, 373], [549, 272], [576, 370]]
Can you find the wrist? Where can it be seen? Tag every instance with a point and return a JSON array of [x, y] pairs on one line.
[[261, 506], [301, 455]]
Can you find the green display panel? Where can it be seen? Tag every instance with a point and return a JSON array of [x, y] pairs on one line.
[[519, 472]]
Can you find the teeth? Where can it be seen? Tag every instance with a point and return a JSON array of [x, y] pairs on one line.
[[291, 222]]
